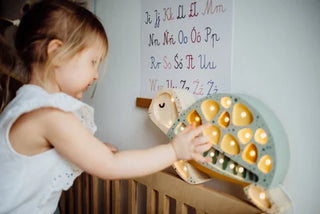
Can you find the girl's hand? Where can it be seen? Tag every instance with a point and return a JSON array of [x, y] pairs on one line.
[[112, 147], [189, 145]]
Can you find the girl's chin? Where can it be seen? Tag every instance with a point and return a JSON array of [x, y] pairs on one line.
[[78, 96]]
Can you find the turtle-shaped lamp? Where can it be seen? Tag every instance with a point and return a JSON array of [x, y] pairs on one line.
[[249, 145]]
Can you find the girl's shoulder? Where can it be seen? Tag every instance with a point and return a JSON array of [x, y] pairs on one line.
[[38, 112], [31, 98]]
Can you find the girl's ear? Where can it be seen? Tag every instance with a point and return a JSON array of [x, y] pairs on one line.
[[53, 46]]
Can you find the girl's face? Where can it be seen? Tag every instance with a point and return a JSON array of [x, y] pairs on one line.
[[74, 76]]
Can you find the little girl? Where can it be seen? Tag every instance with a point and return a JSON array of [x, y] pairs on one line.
[[46, 132]]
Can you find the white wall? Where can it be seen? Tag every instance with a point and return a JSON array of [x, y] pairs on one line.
[[276, 57]]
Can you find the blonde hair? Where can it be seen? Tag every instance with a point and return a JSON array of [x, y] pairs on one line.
[[72, 24]]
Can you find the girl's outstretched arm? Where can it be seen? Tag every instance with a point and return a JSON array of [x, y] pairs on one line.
[[72, 140]]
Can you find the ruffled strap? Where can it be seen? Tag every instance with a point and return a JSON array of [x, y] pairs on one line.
[[35, 97]]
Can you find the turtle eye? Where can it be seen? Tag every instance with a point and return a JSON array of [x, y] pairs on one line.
[[162, 105]]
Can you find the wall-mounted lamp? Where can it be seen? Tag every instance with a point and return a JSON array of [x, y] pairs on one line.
[[249, 145]]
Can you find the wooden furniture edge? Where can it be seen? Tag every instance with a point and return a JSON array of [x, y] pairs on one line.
[[212, 200], [143, 102]]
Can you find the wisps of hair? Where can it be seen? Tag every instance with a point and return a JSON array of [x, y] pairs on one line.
[[69, 22], [56, 19]]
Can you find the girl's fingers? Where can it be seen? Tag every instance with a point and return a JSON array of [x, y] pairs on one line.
[[188, 144], [188, 128], [195, 132], [203, 147], [199, 158], [200, 140]]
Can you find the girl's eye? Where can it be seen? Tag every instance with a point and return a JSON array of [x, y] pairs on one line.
[[94, 62]]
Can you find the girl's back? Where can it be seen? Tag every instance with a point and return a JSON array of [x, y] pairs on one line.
[[34, 183]]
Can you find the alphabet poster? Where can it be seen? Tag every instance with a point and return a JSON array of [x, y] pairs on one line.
[[186, 44]]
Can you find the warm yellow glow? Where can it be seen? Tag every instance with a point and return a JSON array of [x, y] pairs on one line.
[[261, 136], [170, 123], [224, 119], [230, 145], [211, 154], [181, 167], [241, 115], [268, 162], [210, 109], [221, 160], [172, 99], [262, 196], [194, 117], [226, 102], [241, 169], [265, 164], [249, 153], [245, 135], [252, 153], [213, 132], [259, 197], [232, 166], [179, 128]]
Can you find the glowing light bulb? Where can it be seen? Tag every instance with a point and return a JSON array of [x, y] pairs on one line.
[[263, 135], [185, 168], [241, 169], [221, 160], [211, 154], [226, 119], [214, 133], [232, 143], [172, 99], [247, 135], [197, 119], [252, 153], [232, 166], [268, 162], [262, 196], [211, 108], [243, 114], [229, 102], [182, 128]]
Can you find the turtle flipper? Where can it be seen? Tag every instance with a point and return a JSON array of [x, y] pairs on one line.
[[272, 201]]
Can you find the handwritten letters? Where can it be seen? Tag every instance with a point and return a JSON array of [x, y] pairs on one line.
[[186, 44]]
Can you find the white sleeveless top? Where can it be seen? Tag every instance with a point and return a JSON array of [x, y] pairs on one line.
[[33, 184]]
